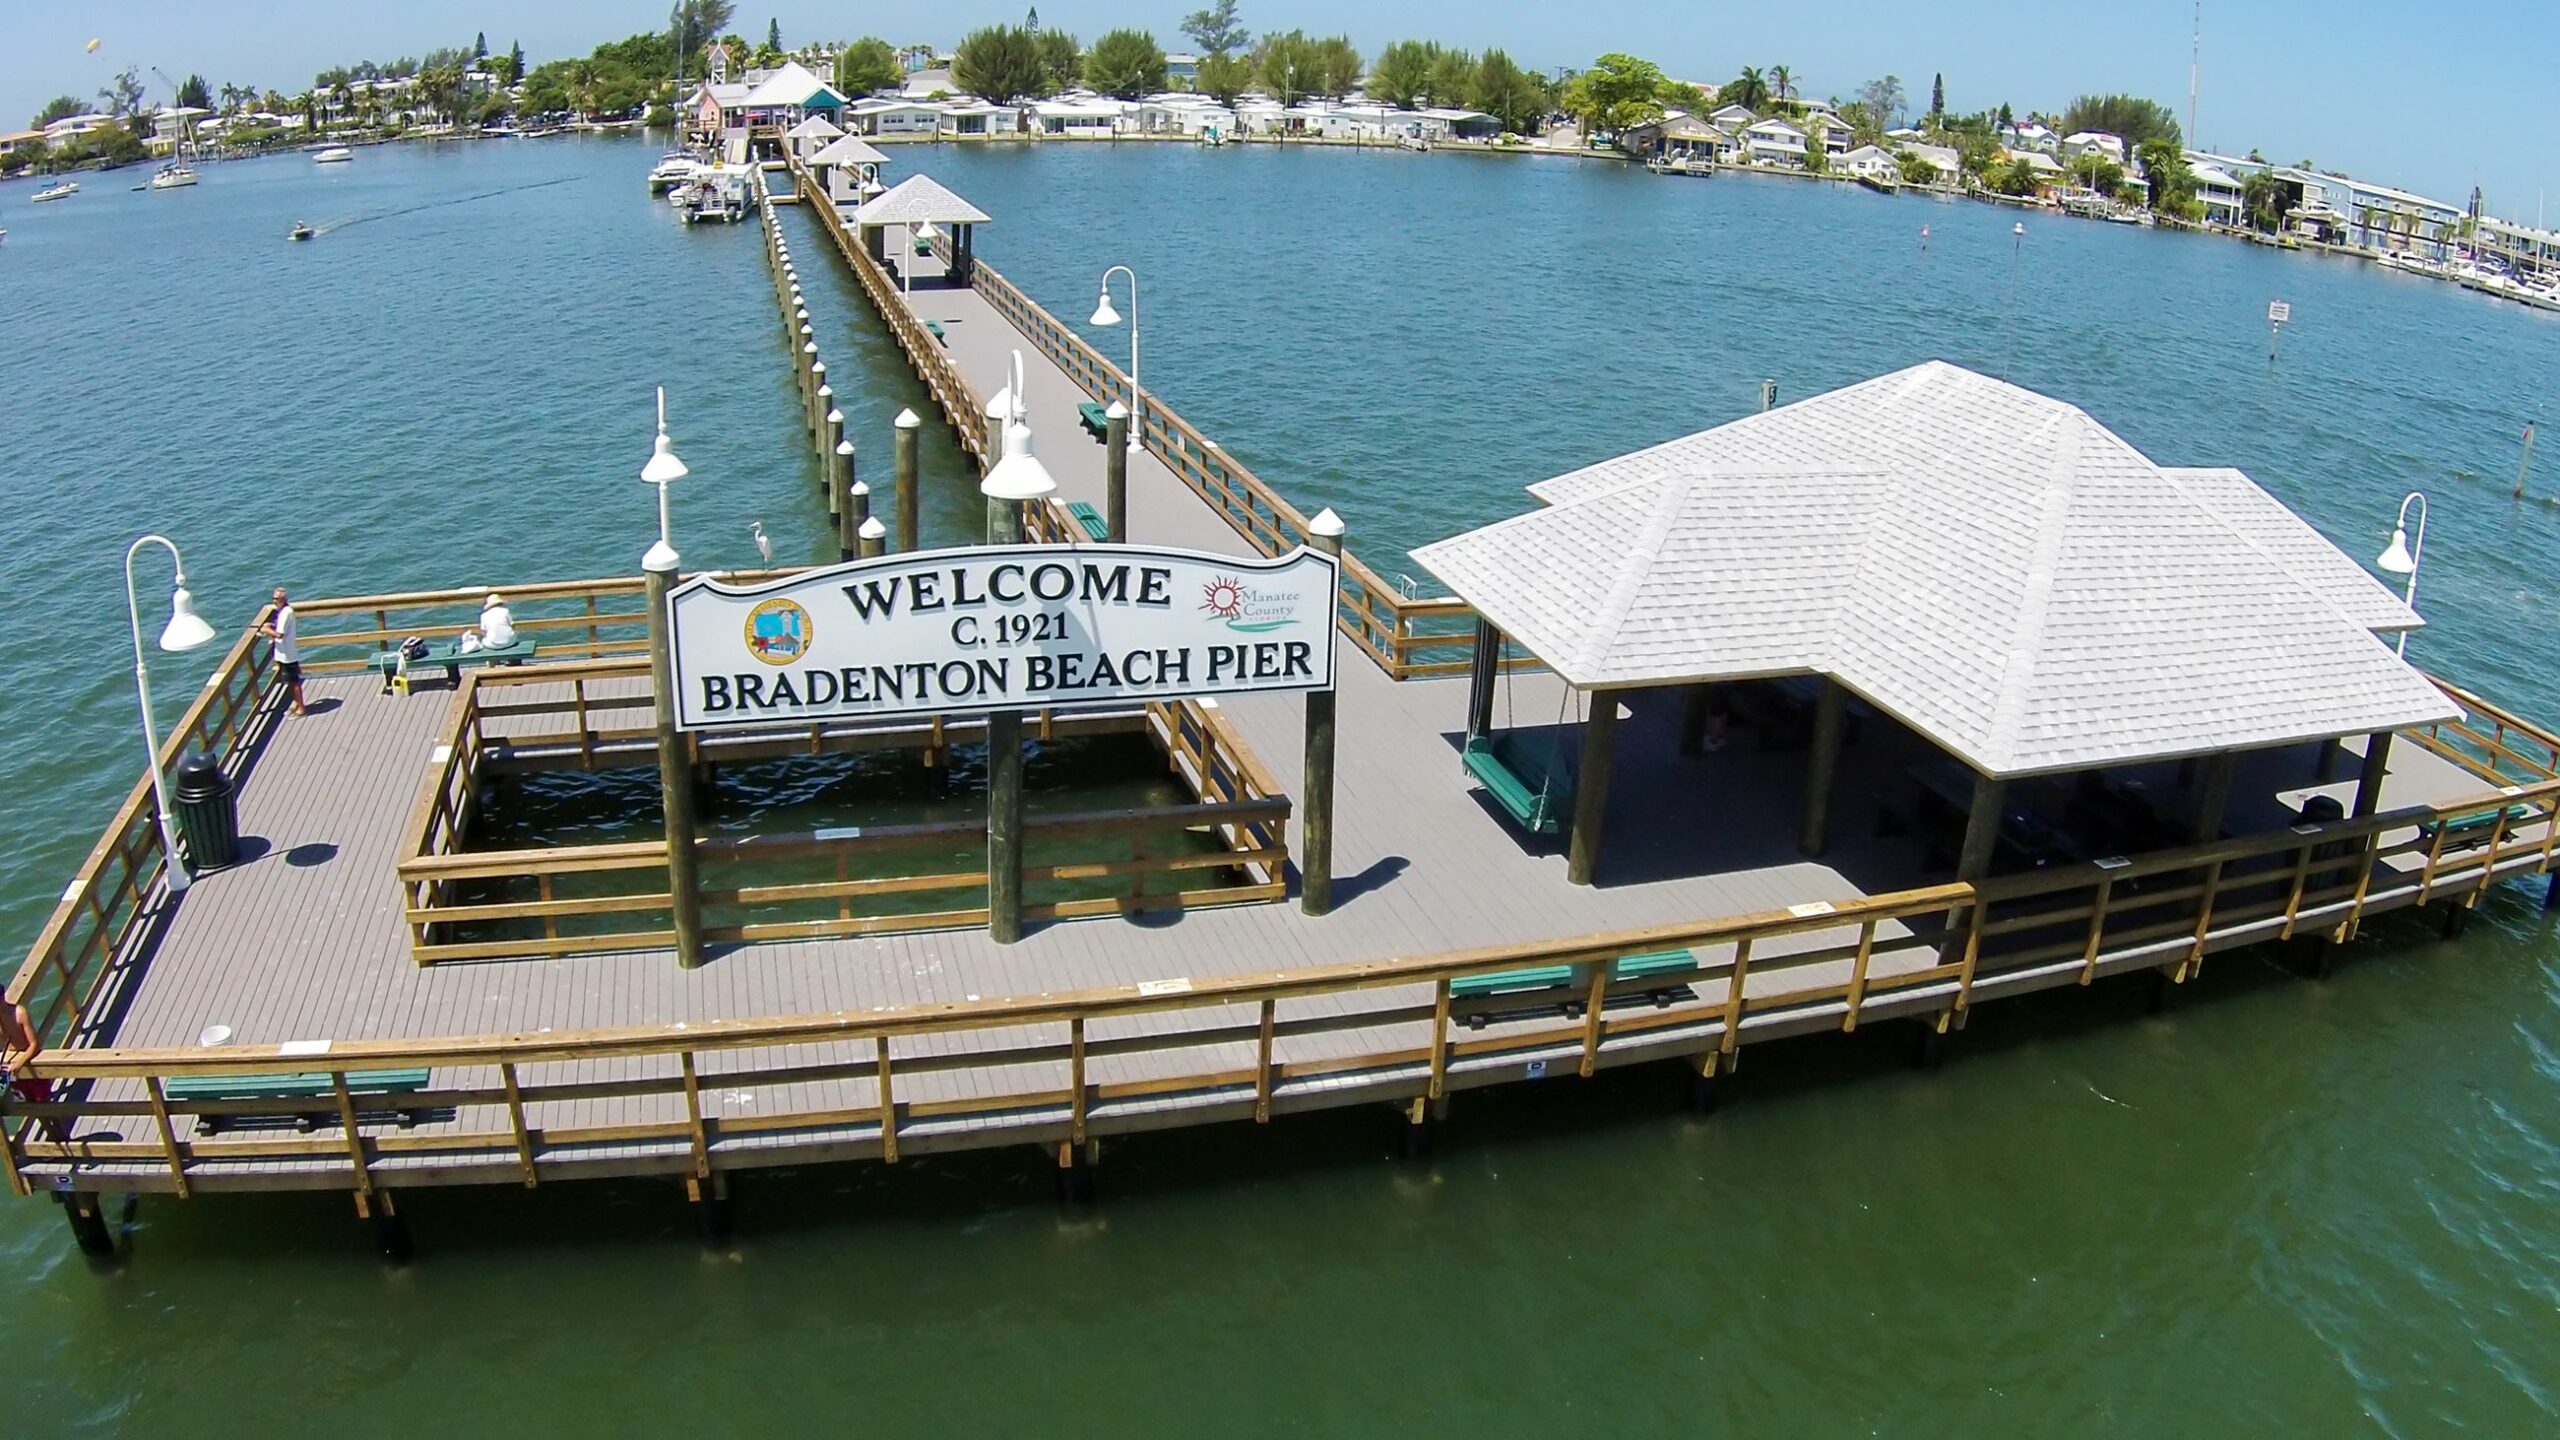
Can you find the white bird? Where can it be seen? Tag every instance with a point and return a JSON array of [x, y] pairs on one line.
[[764, 547]]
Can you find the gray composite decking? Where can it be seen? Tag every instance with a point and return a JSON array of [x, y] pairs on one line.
[[305, 939]]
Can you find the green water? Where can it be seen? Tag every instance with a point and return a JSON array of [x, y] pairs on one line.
[[2286, 1207]]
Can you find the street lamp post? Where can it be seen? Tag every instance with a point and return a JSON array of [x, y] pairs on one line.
[[1018, 480], [185, 631], [659, 569], [1103, 314], [2402, 556]]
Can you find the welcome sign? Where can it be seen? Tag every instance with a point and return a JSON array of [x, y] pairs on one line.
[[1015, 627]]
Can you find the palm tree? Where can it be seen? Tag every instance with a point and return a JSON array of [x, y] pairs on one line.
[[1782, 83], [1750, 92]]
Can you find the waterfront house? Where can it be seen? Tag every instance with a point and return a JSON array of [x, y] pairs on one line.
[[1088, 116], [2217, 190], [1182, 66], [2030, 135], [1869, 162], [2093, 142], [1442, 122], [173, 128], [787, 96], [1258, 114], [1836, 134], [1775, 142], [1180, 113], [970, 115], [2526, 249], [2048, 171], [929, 84], [72, 127], [811, 135], [883, 116], [1675, 138], [1980, 568], [1733, 119], [18, 142], [1942, 158]]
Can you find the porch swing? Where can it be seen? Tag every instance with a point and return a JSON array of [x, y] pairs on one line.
[[1536, 794]]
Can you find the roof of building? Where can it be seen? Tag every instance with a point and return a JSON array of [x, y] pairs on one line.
[[930, 82], [919, 200], [849, 150], [816, 127], [1774, 124], [1989, 565], [790, 85]]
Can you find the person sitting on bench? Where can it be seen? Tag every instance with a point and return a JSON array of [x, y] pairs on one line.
[[497, 623]]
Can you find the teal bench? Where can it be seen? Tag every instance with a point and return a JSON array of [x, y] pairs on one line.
[[1095, 527], [2473, 828], [934, 328], [449, 655], [1097, 421], [306, 1085], [1536, 800], [1504, 983], [1654, 963], [924, 247]]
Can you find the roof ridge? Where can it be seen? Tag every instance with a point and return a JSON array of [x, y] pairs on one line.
[[1601, 637], [2053, 511]]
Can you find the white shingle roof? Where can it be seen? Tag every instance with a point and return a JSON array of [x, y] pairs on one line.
[[1991, 566], [2293, 544], [918, 200], [851, 150], [790, 85], [816, 127]]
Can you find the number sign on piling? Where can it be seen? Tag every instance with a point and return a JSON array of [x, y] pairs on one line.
[[944, 632]]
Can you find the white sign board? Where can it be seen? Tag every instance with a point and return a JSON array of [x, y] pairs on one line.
[[2279, 312], [943, 632]]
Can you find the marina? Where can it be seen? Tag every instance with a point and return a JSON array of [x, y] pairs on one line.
[[2251, 1073]]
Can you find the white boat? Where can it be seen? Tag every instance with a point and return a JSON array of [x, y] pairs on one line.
[[173, 176], [334, 155], [673, 169], [63, 191], [714, 193]]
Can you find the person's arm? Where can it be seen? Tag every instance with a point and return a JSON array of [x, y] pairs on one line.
[[24, 1045]]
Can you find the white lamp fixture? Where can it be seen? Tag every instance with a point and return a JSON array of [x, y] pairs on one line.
[[185, 631], [1019, 476], [1104, 314], [663, 470], [2401, 556]]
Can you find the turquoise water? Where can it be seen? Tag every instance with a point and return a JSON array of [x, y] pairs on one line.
[[2286, 1207]]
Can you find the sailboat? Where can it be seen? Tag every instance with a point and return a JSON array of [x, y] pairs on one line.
[[173, 175]]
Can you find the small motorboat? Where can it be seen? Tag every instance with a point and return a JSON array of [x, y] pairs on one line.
[[173, 176], [300, 231], [334, 155], [63, 191], [673, 169]]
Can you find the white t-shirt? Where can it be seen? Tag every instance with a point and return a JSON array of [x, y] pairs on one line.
[[288, 639], [497, 627]]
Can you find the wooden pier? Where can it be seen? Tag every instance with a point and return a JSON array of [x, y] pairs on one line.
[[1458, 955]]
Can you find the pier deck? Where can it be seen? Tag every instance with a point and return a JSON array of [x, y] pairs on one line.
[[306, 942]]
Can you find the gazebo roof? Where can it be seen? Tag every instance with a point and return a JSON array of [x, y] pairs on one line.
[[851, 150], [918, 200], [790, 85], [1992, 567], [816, 127]]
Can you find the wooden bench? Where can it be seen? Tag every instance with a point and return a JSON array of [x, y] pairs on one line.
[[1538, 808], [448, 654], [305, 1085], [1097, 421], [1095, 527], [2474, 827]]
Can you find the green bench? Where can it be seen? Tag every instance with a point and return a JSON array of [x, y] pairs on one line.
[[1504, 983], [1573, 982], [449, 655], [2474, 827], [304, 1085], [1538, 801], [934, 328], [924, 247], [1095, 527], [1097, 421]]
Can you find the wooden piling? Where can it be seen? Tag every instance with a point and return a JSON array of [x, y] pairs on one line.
[[1830, 725], [908, 425], [1591, 788], [874, 538], [1115, 470], [1004, 782], [1315, 831], [830, 427], [840, 483], [675, 777], [821, 396]]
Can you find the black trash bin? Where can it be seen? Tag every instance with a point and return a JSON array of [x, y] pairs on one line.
[[208, 819]]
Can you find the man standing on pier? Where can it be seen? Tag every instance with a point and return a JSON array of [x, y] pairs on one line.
[[288, 646]]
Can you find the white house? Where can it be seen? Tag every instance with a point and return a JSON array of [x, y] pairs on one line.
[[928, 83], [1774, 142], [1941, 158], [790, 95], [2088, 142], [882, 116], [1733, 119], [1837, 134], [1180, 114], [1867, 162], [1445, 123], [972, 116], [1089, 117], [2029, 135], [2218, 191], [73, 126]]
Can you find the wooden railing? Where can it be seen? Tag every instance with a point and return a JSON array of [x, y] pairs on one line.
[[565, 619], [1394, 1025], [932, 363], [614, 897]]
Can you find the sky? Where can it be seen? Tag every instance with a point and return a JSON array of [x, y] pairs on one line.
[[2378, 89]]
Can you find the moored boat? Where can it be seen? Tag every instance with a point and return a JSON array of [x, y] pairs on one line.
[[673, 169], [173, 176], [333, 155], [63, 191]]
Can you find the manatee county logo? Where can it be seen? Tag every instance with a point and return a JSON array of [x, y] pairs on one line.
[[1245, 608], [778, 632]]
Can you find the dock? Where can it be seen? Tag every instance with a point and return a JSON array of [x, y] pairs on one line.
[[347, 943]]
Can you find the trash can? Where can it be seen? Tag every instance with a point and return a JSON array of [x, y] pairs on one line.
[[208, 820]]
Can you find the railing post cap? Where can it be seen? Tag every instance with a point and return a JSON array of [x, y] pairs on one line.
[[844, 447], [1117, 411], [820, 366], [662, 559], [872, 529], [1326, 524], [861, 487], [907, 420], [834, 416]]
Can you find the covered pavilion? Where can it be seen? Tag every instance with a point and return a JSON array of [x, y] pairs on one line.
[[916, 201], [1983, 567], [850, 165]]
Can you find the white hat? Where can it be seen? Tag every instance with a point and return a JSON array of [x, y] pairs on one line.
[[494, 599]]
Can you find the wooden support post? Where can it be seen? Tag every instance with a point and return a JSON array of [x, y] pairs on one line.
[[1484, 673], [1830, 725], [390, 1228], [1315, 832], [1115, 472], [88, 1223], [2213, 798], [1075, 1172], [1973, 862], [820, 393], [1702, 1082], [1591, 788], [830, 429], [2377, 765], [858, 503], [907, 424], [675, 777], [1414, 1140], [1004, 783], [840, 504]]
